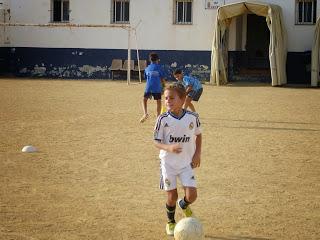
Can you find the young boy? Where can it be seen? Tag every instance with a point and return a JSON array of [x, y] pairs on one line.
[[193, 87], [154, 76], [177, 134]]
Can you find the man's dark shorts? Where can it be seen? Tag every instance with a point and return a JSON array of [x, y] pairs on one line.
[[195, 95], [156, 96]]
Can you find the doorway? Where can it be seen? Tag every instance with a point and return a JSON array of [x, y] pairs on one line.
[[257, 46], [250, 62]]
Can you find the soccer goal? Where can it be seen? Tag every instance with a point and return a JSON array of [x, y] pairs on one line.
[[130, 30]]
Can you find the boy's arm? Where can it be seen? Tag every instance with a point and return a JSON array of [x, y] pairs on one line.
[[188, 85], [197, 155], [163, 81], [189, 89], [174, 148]]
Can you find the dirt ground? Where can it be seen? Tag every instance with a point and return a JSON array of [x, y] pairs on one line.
[[96, 173]]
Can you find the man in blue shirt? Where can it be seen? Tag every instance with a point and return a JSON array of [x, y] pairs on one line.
[[193, 87], [155, 77]]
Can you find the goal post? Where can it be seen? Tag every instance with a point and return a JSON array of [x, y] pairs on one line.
[[72, 25]]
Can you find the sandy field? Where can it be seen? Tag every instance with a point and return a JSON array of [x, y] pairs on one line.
[[96, 173]]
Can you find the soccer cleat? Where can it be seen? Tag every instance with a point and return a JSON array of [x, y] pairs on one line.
[[144, 118], [170, 228], [187, 211]]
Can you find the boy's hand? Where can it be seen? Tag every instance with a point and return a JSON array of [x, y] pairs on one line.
[[175, 148], [195, 161]]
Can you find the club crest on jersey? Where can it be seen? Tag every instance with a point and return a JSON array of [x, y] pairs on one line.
[[167, 182], [191, 126], [179, 139]]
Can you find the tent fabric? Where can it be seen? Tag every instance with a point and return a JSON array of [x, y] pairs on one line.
[[315, 56], [278, 39]]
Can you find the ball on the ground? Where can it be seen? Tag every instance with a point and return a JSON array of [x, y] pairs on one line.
[[188, 229], [29, 149]]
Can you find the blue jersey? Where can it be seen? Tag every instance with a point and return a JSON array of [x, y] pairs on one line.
[[193, 82], [153, 74]]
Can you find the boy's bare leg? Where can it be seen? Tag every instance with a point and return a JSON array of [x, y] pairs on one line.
[[190, 194], [190, 197], [145, 111], [172, 197], [159, 107], [189, 104]]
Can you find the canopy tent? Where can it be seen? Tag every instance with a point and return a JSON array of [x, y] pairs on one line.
[[315, 56], [277, 46]]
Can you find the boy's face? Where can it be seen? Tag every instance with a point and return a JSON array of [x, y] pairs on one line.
[[172, 101], [178, 76]]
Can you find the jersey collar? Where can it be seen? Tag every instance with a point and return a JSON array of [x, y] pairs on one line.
[[176, 117]]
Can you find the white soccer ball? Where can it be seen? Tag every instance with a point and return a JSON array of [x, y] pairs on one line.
[[188, 229], [29, 149]]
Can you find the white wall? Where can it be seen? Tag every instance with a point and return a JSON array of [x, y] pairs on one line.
[[35, 11], [4, 4], [156, 30]]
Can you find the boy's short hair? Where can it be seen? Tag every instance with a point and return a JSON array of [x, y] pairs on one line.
[[178, 88], [177, 71], [153, 57]]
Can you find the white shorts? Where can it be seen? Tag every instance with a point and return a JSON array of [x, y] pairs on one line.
[[168, 177]]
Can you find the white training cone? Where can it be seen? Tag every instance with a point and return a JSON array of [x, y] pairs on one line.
[[29, 149]]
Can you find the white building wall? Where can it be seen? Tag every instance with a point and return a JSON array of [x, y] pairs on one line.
[[4, 5], [155, 31], [82, 11]]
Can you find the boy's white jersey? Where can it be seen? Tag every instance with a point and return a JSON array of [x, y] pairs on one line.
[[170, 129]]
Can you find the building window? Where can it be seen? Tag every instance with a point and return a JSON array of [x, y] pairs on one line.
[[120, 11], [60, 10], [182, 12], [306, 11]]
